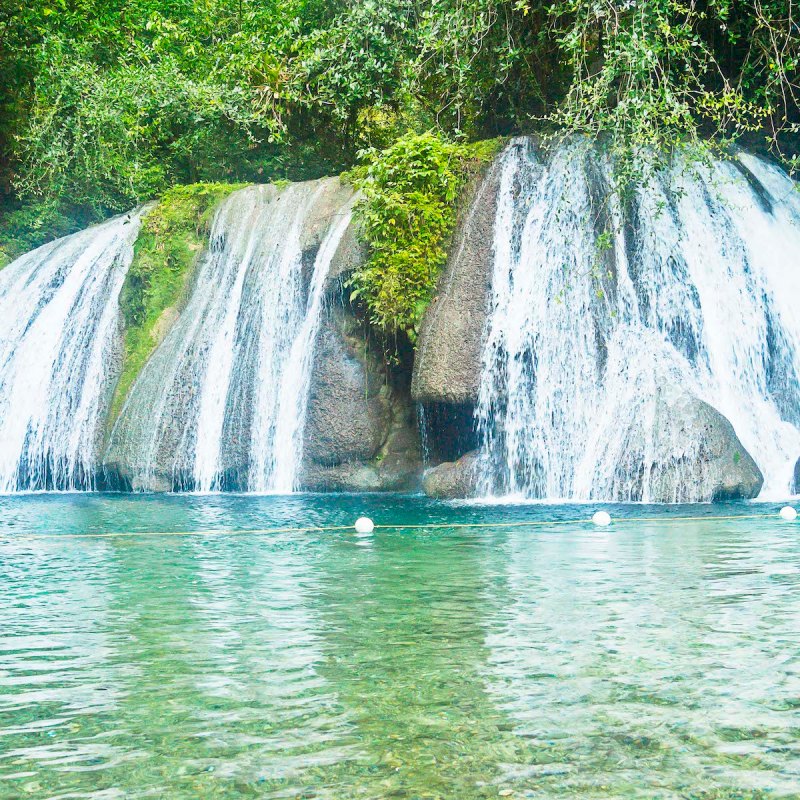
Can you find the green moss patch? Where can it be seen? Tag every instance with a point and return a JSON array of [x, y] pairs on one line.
[[173, 235], [409, 210]]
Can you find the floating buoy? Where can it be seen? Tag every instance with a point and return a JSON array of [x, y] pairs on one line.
[[364, 525], [601, 518], [788, 513]]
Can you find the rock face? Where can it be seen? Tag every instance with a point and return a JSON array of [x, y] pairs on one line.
[[453, 480], [576, 400], [698, 453], [350, 254], [796, 484], [360, 432], [347, 409], [447, 366]]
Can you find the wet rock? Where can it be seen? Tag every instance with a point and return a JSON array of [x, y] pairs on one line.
[[351, 252], [693, 455], [684, 451], [796, 482], [348, 414], [360, 430], [454, 479], [448, 359]]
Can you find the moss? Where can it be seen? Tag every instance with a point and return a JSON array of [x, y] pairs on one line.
[[410, 193], [172, 237]]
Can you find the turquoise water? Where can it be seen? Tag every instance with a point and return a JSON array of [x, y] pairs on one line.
[[647, 660]]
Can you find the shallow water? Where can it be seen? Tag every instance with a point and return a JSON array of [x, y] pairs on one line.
[[649, 660]]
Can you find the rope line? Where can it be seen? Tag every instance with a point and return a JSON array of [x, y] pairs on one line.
[[393, 527]]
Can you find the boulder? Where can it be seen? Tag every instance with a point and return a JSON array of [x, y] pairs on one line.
[[682, 450], [678, 450], [714, 459], [454, 480], [796, 482], [447, 365]]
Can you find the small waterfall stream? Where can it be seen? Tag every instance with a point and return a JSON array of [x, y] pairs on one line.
[[221, 403], [59, 319], [601, 308]]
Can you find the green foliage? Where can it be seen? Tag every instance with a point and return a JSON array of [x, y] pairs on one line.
[[407, 214], [650, 75], [172, 236], [128, 130], [105, 103], [25, 226]]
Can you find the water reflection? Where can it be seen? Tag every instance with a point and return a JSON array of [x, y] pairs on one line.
[[406, 650], [59, 673], [639, 661]]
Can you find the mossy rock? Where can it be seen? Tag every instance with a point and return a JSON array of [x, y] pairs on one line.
[[173, 235]]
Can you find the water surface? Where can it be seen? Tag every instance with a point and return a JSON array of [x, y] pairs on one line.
[[652, 659]]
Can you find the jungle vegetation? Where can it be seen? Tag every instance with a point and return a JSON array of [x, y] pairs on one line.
[[106, 103]]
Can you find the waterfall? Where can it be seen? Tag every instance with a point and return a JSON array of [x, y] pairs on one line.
[[221, 403], [602, 306], [281, 415], [59, 329]]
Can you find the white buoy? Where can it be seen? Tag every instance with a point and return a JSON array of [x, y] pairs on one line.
[[601, 518], [364, 525], [788, 513]]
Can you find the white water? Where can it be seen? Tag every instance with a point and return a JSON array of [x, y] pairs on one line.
[[277, 441], [222, 401], [59, 319], [696, 294]]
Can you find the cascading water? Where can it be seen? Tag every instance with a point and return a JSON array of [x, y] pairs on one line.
[[602, 308], [59, 323], [221, 403]]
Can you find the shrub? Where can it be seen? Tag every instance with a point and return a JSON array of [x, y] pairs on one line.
[[407, 214]]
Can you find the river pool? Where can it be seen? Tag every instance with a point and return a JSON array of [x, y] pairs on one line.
[[656, 659]]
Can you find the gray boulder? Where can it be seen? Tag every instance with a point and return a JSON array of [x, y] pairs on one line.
[[682, 451], [453, 480], [447, 365], [720, 465]]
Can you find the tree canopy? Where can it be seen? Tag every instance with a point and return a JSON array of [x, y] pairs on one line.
[[104, 103]]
